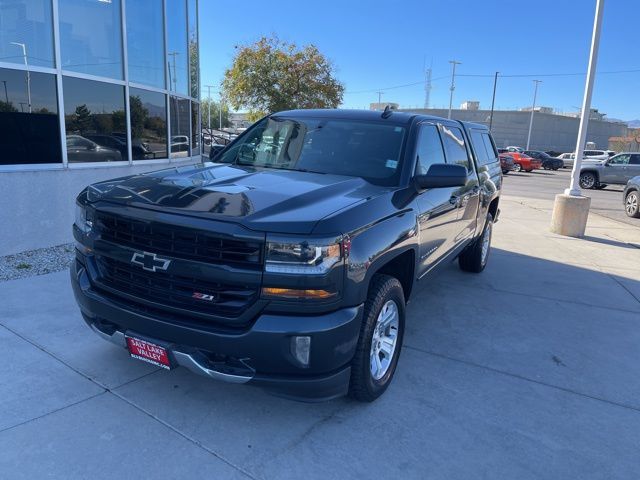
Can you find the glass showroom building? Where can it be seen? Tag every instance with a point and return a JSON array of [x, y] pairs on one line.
[[91, 89]]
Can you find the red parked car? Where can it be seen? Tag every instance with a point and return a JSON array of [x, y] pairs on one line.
[[524, 162]]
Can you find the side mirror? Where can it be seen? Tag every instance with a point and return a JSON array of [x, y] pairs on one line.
[[442, 175]]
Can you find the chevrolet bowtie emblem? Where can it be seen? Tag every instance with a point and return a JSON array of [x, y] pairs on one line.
[[150, 261]]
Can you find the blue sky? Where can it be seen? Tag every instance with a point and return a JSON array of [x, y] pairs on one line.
[[375, 45]]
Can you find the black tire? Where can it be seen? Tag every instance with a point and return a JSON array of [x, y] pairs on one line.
[[363, 386], [472, 259], [517, 167], [588, 180], [505, 172], [632, 204]]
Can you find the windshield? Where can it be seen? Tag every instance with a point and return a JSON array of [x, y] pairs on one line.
[[343, 147]]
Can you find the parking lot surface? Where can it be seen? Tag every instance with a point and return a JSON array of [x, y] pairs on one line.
[[545, 184], [529, 370]]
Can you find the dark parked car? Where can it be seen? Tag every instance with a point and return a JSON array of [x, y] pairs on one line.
[[81, 149], [288, 263], [631, 197], [506, 163], [548, 162]]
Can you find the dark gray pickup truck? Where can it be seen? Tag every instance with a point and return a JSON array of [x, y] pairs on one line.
[[287, 261]]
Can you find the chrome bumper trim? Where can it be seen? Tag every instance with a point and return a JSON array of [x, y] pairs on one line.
[[187, 360]]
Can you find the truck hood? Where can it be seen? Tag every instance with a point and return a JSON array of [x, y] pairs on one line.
[[270, 200]]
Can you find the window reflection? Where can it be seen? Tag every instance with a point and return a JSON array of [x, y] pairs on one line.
[[28, 23], [145, 42], [195, 130], [91, 37], [148, 124], [194, 62], [29, 132], [95, 121], [180, 118], [177, 61]]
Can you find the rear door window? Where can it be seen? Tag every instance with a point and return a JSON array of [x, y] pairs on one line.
[[635, 159]]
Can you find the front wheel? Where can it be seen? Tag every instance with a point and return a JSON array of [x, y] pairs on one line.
[[380, 340], [632, 205], [517, 167], [475, 257], [588, 180]]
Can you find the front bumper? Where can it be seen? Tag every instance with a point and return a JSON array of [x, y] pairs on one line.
[[258, 355]]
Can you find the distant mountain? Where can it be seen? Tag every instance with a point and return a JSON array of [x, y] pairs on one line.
[[634, 123]]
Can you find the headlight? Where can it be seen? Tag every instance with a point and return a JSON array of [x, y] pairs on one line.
[[307, 257], [82, 222]]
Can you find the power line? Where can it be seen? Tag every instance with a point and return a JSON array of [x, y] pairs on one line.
[[491, 75]]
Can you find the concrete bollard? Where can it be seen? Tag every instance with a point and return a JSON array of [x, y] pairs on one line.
[[570, 215]]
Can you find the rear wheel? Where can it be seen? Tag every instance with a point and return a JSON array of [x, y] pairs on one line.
[[475, 257], [632, 205], [588, 180], [378, 348], [505, 172]]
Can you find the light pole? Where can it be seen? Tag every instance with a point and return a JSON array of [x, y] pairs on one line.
[[571, 209], [26, 64], [220, 112], [493, 100], [533, 109], [453, 84], [6, 95], [209, 107], [174, 78]]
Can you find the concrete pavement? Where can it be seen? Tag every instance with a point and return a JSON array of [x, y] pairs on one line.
[[529, 370]]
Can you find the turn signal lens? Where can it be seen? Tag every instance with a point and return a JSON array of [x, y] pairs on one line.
[[296, 293]]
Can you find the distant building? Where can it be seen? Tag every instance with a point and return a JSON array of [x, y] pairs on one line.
[[628, 143], [594, 114], [550, 132], [382, 105], [538, 109], [470, 105]]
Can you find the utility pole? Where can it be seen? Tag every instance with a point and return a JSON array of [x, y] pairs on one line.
[[453, 83], [26, 64], [380, 97], [493, 100], [533, 109], [571, 209], [427, 87], [6, 95]]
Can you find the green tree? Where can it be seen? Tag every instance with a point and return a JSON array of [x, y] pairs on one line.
[[215, 114], [139, 115], [270, 75], [81, 120], [7, 107]]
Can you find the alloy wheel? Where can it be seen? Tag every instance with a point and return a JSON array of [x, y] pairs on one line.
[[631, 204], [384, 340]]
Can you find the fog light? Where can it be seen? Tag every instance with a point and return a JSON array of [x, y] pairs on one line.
[[301, 349]]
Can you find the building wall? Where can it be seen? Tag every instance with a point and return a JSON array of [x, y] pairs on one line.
[[549, 132], [37, 207], [90, 90]]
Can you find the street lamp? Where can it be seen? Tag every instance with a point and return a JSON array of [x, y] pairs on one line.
[[453, 85], [26, 64], [533, 109], [571, 209]]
